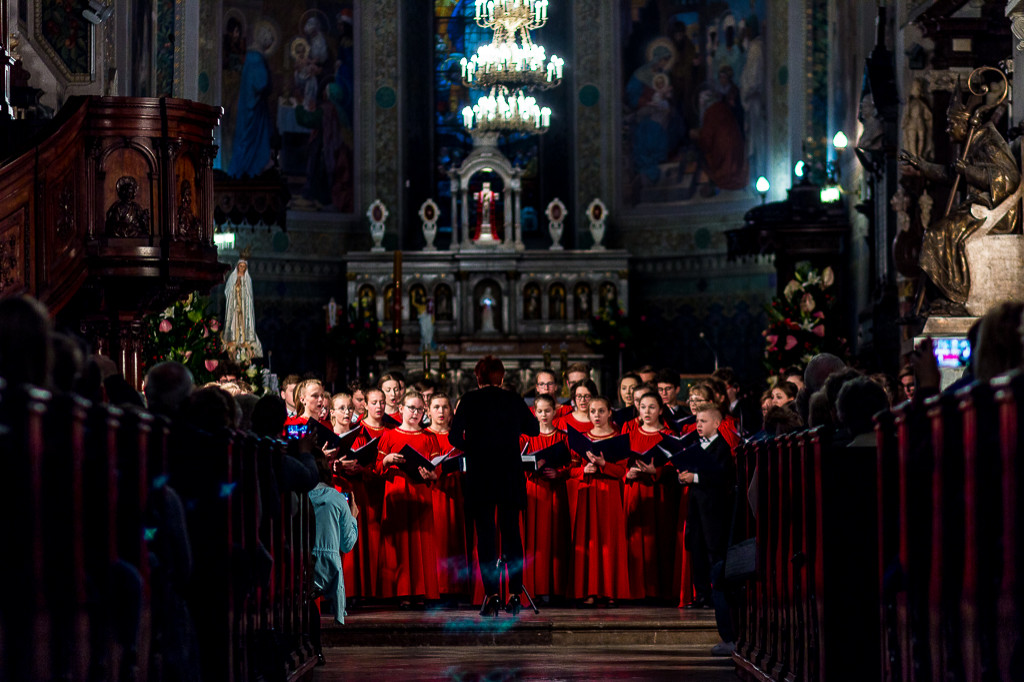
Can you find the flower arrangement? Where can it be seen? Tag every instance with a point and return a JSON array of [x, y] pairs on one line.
[[610, 331], [185, 333], [799, 322]]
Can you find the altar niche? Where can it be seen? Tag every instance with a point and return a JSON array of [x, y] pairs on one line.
[[487, 307], [487, 206]]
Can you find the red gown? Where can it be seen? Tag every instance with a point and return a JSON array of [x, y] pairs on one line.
[[360, 566], [573, 484], [599, 567], [640, 505], [450, 527], [546, 540], [408, 559]]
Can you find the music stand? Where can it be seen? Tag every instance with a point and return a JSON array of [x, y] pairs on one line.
[[503, 584]]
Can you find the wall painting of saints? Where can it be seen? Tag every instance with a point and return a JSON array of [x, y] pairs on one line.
[[288, 84], [693, 90]]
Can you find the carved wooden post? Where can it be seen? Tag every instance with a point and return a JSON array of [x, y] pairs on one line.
[[6, 63]]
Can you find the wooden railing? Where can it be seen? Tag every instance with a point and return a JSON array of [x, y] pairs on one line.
[[134, 548], [897, 562]]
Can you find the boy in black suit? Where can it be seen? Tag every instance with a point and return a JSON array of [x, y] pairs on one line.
[[708, 515]]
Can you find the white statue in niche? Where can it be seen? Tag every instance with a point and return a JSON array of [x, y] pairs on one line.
[[486, 230], [487, 305], [917, 122]]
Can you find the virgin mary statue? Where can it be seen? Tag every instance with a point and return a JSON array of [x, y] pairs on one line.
[[240, 340]]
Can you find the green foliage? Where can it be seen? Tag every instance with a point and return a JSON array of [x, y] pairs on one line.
[[185, 333], [360, 335]]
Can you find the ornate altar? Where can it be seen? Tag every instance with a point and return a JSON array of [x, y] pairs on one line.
[[477, 221]]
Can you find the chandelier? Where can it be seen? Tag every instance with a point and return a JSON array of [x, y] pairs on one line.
[[508, 66], [501, 111]]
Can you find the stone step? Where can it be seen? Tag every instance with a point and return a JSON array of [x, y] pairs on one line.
[[643, 663], [552, 627]]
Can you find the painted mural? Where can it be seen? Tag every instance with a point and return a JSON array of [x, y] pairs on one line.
[[288, 90], [693, 95]]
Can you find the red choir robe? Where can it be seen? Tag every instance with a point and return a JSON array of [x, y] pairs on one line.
[[408, 559], [640, 505], [572, 485], [599, 567], [546, 540], [450, 527], [361, 565]]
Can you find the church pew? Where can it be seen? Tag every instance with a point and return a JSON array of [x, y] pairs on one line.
[[888, 541], [24, 645], [944, 574], [769, 656], [64, 552], [916, 460], [982, 555], [133, 488], [783, 553], [798, 558], [760, 617], [1010, 604]]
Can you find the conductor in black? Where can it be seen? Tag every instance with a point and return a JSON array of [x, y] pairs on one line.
[[487, 426]]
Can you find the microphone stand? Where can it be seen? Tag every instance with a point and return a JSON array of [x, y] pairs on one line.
[[503, 584]]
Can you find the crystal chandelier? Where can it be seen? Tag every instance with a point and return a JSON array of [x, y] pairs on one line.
[[511, 64], [501, 111]]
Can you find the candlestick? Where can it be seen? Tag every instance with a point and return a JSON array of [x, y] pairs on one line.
[[396, 306], [426, 362]]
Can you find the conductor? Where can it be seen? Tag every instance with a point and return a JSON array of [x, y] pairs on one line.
[[487, 426]]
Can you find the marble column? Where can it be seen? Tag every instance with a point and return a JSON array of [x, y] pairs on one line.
[[1015, 13]]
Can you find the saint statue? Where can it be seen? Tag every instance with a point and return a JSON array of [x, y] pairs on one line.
[[424, 308], [917, 122], [486, 230], [991, 174], [487, 304], [240, 340], [126, 217]]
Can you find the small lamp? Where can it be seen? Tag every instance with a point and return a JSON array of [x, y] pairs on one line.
[[762, 186]]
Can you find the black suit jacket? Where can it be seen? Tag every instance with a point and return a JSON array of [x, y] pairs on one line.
[[487, 426]]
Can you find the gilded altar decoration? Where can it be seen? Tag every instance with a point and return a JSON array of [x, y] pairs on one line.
[[126, 217], [992, 176]]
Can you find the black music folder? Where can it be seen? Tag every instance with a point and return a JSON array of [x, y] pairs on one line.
[[413, 461], [326, 436], [614, 449], [367, 454]]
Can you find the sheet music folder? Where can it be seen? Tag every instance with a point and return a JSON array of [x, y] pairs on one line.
[[614, 449]]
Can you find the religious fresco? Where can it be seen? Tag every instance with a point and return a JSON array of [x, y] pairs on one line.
[[288, 82], [66, 37], [693, 94]]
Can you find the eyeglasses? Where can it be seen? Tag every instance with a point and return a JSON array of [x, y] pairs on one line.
[[415, 409], [583, 396]]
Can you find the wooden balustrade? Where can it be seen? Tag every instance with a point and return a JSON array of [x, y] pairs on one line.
[[120, 521], [894, 561]]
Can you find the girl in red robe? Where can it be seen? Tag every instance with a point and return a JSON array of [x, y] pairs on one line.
[[546, 545], [581, 393], [391, 385], [448, 500], [362, 565], [640, 503], [408, 562], [599, 568]]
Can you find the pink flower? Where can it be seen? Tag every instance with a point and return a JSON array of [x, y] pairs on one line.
[[791, 342], [819, 330], [206, 332], [165, 326], [807, 303], [820, 315], [188, 354], [211, 365], [772, 340], [214, 326]]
